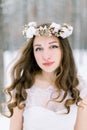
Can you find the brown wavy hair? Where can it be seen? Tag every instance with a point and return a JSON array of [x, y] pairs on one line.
[[23, 76]]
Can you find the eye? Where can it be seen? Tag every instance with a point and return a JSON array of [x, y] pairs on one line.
[[54, 46], [38, 49]]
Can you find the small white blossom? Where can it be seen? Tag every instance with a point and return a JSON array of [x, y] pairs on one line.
[[66, 31], [30, 32], [55, 26]]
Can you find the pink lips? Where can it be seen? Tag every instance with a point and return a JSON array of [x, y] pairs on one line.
[[48, 63]]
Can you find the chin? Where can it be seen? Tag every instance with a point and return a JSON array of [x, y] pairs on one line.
[[49, 70]]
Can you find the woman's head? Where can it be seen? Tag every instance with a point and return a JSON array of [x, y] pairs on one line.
[[47, 47]]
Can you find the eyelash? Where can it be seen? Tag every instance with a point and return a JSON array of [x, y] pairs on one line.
[[38, 49], [53, 46]]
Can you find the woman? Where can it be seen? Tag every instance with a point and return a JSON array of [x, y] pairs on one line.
[[46, 93]]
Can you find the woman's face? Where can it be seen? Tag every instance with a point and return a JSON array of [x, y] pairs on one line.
[[47, 52]]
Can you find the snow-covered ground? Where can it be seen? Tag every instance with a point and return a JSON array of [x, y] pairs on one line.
[[81, 62]]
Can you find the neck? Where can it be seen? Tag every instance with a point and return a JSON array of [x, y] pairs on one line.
[[45, 79], [48, 77]]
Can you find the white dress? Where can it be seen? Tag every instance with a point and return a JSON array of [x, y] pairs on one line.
[[40, 116]]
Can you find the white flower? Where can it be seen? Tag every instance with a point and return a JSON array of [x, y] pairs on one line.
[[30, 32], [66, 30], [34, 24], [55, 26]]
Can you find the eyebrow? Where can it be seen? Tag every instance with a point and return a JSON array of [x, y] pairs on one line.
[[53, 42], [49, 43]]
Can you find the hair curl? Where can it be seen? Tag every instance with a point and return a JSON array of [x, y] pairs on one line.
[[23, 76]]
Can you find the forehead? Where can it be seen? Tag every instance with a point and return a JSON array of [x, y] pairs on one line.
[[45, 40]]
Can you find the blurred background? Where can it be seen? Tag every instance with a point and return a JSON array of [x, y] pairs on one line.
[[14, 14]]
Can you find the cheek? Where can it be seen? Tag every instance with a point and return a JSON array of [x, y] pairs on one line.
[[37, 57], [58, 54]]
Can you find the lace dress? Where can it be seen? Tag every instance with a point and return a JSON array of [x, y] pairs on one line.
[[39, 114]]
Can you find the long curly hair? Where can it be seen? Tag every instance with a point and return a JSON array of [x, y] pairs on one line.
[[23, 76]]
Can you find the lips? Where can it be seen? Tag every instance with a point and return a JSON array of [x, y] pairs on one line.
[[48, 63]]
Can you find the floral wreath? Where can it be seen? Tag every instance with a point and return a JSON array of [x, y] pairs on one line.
[[58, 30]]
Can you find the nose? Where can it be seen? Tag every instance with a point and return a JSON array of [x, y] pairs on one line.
[[46, 55]]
